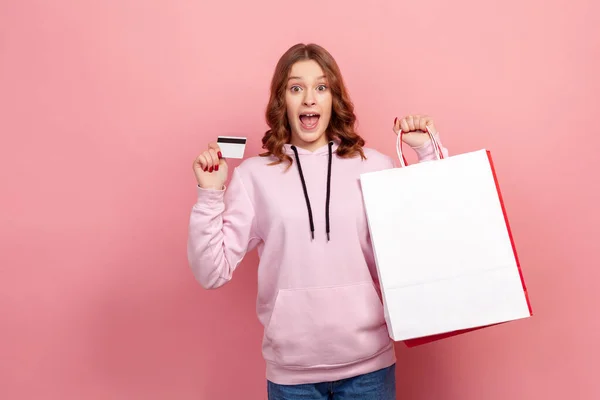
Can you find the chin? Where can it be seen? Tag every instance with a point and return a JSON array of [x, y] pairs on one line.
[[311, 137]]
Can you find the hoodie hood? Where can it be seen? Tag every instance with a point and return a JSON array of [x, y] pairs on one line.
[[321, 151]]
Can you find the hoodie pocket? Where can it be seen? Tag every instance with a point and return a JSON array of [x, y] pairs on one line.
[[326, 326]]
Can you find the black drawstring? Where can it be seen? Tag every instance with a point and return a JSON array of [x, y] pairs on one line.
[[310, 216], [312, 225], [328, 192]]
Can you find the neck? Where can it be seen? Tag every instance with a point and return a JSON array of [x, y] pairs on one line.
[[310, 146]]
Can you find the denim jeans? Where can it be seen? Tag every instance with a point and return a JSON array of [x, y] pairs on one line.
[[378, 385]]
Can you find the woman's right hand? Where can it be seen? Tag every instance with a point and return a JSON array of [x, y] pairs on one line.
[[210, 168]]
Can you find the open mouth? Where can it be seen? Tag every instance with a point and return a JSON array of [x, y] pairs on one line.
[[309, 121]]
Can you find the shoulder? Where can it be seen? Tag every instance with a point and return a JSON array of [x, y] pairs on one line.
[[376, 159], [251, 164], [256, 168]]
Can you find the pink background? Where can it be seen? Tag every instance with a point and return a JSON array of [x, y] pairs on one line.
[[104, 105]]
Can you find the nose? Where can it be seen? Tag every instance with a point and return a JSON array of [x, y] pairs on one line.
[[309, 99]]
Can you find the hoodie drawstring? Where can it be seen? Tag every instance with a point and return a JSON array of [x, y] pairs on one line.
[[310, 216], [328, 192]]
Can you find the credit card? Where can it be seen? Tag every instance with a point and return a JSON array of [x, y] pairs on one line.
[[232, 146]]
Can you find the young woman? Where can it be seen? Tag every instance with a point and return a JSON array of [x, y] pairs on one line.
[[300, 205]]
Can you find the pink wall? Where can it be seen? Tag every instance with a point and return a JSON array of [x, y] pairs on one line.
[[103, 107]]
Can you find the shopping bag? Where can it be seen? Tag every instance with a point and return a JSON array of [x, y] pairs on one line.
[[445, 257]]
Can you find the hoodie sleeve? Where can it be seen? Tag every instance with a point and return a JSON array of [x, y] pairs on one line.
[[222, 229], [426, 152]]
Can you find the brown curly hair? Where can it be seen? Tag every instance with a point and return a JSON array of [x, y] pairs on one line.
[[342, 123]]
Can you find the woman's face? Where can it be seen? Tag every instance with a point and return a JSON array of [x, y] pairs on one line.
[[309, 101]]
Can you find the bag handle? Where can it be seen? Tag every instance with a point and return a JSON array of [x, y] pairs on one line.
[[436, 145]]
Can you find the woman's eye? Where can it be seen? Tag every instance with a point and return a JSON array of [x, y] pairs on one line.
[[295, 88], [322, 88]]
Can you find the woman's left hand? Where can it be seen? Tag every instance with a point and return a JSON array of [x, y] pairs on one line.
[[414, 128]]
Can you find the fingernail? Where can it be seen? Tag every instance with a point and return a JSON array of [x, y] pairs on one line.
[[210, 169], [220, 155], [205, 169], [216, 168]]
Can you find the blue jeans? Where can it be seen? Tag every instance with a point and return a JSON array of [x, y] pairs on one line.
[[378, 385]]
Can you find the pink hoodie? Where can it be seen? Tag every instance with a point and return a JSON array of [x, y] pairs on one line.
[[318, 299]]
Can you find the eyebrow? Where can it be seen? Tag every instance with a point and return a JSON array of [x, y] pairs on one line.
[[298, 77]]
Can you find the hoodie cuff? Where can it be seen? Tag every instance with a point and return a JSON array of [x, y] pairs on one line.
[[210, 197], [427, 150]]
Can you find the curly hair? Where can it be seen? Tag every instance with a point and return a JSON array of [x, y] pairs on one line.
[[342, 123]]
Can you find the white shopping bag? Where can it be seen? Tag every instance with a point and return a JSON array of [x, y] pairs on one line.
[[445, 256]]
